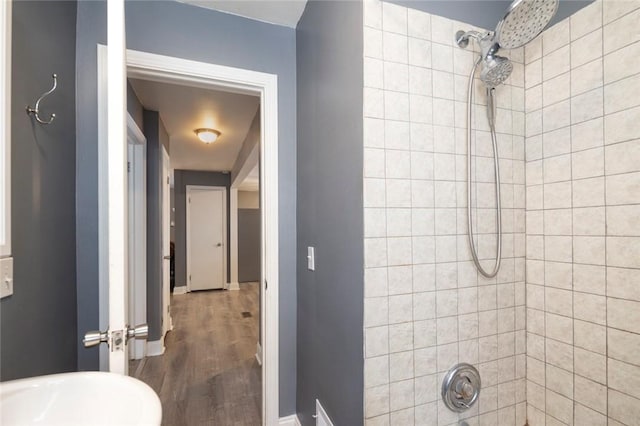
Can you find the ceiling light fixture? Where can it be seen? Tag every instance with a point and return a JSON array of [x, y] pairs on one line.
[[207, 135]]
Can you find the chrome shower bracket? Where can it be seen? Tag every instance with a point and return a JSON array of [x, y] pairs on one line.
[[36, 110], [462, 37]]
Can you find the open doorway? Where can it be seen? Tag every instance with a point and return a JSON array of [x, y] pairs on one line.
[[203, 355], [264, 343]]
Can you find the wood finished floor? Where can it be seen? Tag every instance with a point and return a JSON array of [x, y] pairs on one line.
[[208, 374]]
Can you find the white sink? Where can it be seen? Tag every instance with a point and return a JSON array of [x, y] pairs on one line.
[[83, 398]]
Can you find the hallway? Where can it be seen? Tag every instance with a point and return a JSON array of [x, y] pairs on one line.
[[209, 374]]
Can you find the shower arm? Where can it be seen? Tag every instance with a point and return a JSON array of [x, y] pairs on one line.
[[486, 41], [462, 37]]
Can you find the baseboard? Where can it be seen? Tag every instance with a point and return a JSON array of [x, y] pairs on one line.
[[322, 418], [259, 353], [291, 420], [155, 347], [180, 290], [233, 286]]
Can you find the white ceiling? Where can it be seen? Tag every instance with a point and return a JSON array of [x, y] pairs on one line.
[[280, 12], [184, 109]]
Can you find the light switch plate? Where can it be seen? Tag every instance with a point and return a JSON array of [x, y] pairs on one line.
[[6, 277], [311, 258]]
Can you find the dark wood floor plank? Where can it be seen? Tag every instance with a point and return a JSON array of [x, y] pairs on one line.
[[208, 374]]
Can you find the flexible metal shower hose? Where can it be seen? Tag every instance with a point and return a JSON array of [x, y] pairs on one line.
[[494, 141]]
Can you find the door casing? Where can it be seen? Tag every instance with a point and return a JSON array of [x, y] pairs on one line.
[[218, 77]]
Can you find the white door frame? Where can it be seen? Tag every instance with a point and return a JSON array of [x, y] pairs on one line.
[[138, 242], [199, 74], [190, 189], [167, 324]]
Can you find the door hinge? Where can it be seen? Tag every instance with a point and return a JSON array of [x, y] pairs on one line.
[[128, 166], [189, 277], [168, 180], [266, 284]]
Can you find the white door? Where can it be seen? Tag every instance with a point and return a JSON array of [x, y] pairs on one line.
[[166, 244], [206, 238], [117, 191]]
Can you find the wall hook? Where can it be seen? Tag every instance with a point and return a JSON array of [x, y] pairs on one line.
[[36, 110]]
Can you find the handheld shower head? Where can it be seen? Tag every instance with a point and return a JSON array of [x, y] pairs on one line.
[[495, 70]]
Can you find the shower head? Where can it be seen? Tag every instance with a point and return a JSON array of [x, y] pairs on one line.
[[495, 70], [523, 21]]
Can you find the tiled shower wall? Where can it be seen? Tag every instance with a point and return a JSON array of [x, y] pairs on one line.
[[426, 308], [582, 81]]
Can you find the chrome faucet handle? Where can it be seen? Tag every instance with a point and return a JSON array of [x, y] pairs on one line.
[[94, 338]]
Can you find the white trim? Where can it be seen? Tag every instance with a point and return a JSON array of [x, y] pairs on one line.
[[155, 347], [103, 186], [198, 74], [189, 190], [233, 241], [259, 353], [179, 290], [117, 174], [165, 210], [137, 192], [5, 128], [134, 134], [233, 286], [291, 420], [322, 418]]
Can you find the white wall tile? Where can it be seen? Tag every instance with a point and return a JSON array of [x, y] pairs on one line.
[[555, 37], [394, 18], [622, 189], [556, 63], [372, 42], [622, 63], [587, 134], [623, 157], [586, 20], [622, 407], [622, 32], [622, 94], [590, 336], [588, 163], [419, 24], [588, 192], [586, 49], [587, 106], [586, 77], [622, 126]]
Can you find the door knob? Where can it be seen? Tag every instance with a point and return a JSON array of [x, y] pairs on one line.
[[166, 257], [140, 331], [94, 338], [219, 245]]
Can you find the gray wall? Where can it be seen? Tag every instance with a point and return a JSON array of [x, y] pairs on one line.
[[176, 29], [484, 14], [248, 245], [157, 137], [38, 323], [91, 29], [250, 141], [330, 300], [134, 106], [182, 179]]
